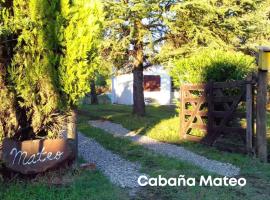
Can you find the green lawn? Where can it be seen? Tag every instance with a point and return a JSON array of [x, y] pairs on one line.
[[258, 175], [75, 185], [162, 123]]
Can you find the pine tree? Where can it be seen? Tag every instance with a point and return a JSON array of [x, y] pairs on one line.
[[133, 28], [239, 25]]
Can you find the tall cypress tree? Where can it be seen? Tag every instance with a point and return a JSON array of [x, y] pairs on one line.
[[52, 61], [82, 24], [8, 114], [33, 68]]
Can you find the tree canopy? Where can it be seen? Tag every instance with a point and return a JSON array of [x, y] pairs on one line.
[[133, 28], [140, 33], [239, 25]]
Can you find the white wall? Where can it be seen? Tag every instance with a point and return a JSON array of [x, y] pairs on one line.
[[122, 87]]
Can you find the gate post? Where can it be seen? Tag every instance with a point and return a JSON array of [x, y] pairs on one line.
[[181, 113], [264, 64], [72, 131], [210, 137], [249, 115]]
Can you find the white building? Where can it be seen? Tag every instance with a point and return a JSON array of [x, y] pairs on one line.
[[157, 87]]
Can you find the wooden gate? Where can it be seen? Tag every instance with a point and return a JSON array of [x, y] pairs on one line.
[[193, 110], [217, 109]]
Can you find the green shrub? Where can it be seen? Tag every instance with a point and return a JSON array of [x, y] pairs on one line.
[[209, 64]]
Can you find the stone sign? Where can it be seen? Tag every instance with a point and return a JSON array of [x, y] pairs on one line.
[[35, 156]]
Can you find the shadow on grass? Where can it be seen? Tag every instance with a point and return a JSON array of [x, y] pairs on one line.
[[160, 122], [123, 114], [257, 174]]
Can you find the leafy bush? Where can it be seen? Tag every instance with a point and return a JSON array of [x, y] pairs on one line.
[[209, 64]]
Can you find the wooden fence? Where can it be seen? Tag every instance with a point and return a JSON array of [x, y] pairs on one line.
[[217, 109]]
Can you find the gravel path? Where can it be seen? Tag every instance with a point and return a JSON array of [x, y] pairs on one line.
[[224, 169], [121, 172]]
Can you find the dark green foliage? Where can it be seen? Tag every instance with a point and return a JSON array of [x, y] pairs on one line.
[[241, 25], [209, 64], [46, 68], [7, 97], [32, 71], [7, 108]]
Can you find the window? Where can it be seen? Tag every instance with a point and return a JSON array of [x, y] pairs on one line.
[[151, 83]]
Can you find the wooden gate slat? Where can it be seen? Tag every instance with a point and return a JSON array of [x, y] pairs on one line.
[[199, 126], [212, 94], [200, 113], [210, 138], [193, 115], [230, 84], [224, 99], [195, 99], [227, 129], [235, 114], [193, 86]]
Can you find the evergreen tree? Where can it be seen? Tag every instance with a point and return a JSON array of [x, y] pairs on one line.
[[33, 68], [7, 97], [239, 25], [133, 28], [81, 38], [51, 63], [142, 32]]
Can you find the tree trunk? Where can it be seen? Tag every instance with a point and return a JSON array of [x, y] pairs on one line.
[[72, 130], [94, 99], [138, 92], [9, 121]]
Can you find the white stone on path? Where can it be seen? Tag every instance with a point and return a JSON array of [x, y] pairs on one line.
[[120, 171], [170, 150]]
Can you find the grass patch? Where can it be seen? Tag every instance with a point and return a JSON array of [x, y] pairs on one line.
[[62, 185], [162, 123], [154, 165], [123, 114]]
